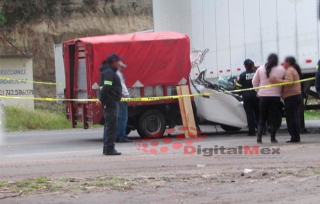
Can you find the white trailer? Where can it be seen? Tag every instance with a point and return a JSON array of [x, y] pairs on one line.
[[235, 30]]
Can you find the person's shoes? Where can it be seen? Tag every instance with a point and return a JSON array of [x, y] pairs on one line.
[[111, 152], [292, 141], [125, 141], [259, 134], [273, 132]]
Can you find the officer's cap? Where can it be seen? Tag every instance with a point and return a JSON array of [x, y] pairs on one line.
[[113, 58]]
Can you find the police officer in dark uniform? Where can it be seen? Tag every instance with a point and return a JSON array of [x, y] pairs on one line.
[[110, 96], [250, 99]]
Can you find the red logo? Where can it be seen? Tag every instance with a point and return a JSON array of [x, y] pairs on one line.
[[158, 145]]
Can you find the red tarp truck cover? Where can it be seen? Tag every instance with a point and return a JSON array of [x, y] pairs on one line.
[[161, 58]]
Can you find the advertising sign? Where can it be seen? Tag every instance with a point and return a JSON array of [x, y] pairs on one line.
[[15, 76]]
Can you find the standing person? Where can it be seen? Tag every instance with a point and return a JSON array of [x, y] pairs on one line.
[[110, 96], [270, 97], [292, 97], [123, 109], [250, 99], [317, 81]]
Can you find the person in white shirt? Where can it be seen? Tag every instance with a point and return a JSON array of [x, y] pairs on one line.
[[123, 109]]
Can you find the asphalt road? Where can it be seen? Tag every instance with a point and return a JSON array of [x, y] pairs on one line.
[[55, 151], [77, 153]]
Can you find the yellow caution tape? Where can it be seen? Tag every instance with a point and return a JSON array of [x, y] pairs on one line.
[[34, 82], [159, 98], [48, 99], [273, 85], [145, 99]]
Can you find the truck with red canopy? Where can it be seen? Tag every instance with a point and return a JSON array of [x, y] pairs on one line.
[[157, 63]]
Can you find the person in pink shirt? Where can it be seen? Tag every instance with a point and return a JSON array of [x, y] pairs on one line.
[[269, 97]]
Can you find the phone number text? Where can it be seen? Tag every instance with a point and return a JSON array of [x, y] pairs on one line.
[[16, 92]]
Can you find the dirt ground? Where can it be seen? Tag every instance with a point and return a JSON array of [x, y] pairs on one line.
[[290, 177]]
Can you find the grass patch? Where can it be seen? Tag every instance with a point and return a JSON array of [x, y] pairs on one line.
[[166, 179], [48, 185], [3, 184], [24, 183], [54, 188], [21, 119], [315, 171], [100, 184], [14, 190], [114, 182], [83, 188], [42, 180], [312, 115], [41, 118], [287, 173], [30, 188], [34, 186]]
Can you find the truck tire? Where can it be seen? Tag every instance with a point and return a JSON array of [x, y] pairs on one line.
[[152, 124], [228, 128]]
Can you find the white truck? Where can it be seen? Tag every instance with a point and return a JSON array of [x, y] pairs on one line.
[[235, 30]]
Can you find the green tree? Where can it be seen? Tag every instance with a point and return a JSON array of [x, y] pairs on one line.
[[3, 19]]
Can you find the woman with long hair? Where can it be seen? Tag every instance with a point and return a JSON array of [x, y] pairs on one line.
[[270, 97], [292, 97]]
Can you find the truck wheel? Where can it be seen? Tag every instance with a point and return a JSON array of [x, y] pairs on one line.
[[152, 124], [228, 128]]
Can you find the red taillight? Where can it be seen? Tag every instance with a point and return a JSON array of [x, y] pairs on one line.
[[308, 61], [239, 69], [211, 72], [228, 70], [220, 71]]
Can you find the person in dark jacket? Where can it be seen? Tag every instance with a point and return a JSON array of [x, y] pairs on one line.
[[110, 96], [317, 82], [250, 99]]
